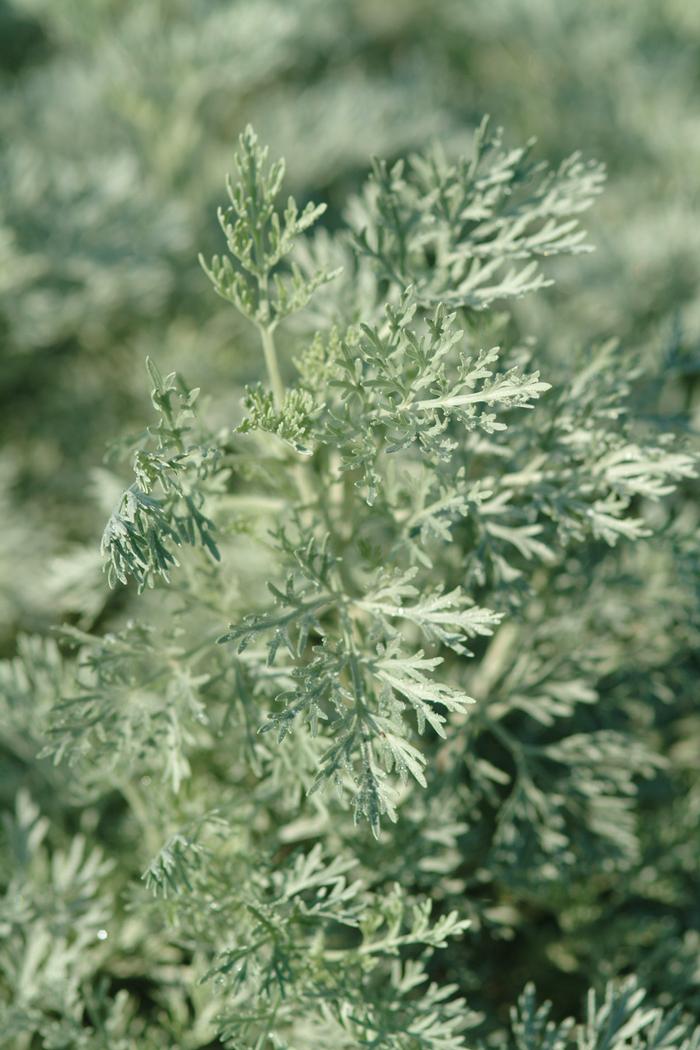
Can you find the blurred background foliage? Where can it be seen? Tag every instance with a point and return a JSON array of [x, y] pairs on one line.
[[117, 125]]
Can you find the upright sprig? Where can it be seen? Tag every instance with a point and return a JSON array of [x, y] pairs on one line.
[[163, 508], [257, 276], [470, 231]]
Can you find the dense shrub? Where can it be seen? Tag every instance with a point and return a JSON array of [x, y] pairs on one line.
[[386, 732]]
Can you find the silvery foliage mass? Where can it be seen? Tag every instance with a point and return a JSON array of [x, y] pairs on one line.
[[388, 710]]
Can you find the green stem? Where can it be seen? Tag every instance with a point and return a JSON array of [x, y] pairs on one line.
[[264, 1036], [269, 349], [303, 484], [493, 667], [495, 661], [273, 372], [389, 944]]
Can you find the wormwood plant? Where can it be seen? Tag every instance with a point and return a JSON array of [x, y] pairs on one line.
[[379, 421], [360, 720]]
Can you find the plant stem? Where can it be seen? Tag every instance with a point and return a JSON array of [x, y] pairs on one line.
[[273, 372], [492, 667], [269, 349], [495, 661], [140, 811]]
